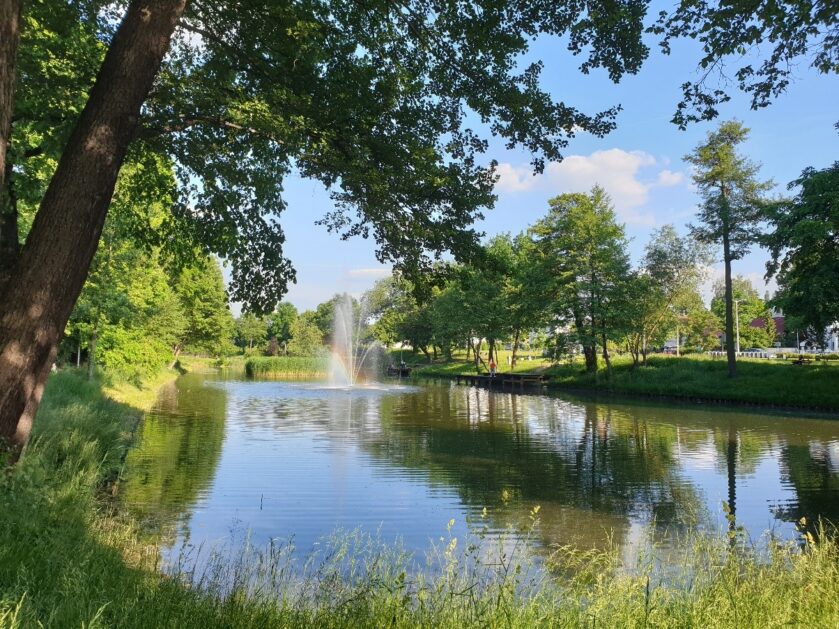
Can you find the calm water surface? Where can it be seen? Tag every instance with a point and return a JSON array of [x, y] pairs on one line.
[[222, 457]]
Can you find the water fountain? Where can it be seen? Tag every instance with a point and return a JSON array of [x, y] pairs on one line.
[[350, 362]]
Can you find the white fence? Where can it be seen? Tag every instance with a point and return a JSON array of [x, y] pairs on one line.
[[718, 354]]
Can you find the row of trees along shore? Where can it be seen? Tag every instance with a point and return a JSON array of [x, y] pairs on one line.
[[206, 107], [570, 273]]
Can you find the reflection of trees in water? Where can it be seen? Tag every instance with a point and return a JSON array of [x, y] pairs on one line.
[[591, 468], [813, 469], [177, 449], [738, 442], [595, 469]]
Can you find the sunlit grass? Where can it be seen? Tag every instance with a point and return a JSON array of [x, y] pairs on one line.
[[697, 377], [70, 558]]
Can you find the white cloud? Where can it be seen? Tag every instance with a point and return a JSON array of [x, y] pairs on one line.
[[668, 178], [366, 274], [616, 170]]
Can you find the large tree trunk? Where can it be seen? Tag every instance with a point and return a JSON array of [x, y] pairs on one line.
[[9, 38], [53, 265], [730, 350]]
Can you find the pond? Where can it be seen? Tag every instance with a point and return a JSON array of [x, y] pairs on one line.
[[221, 459]]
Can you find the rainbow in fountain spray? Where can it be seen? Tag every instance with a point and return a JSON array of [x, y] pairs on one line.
[[351, 363]]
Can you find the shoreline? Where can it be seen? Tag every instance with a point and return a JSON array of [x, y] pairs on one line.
[[631, 385], [70, 554]]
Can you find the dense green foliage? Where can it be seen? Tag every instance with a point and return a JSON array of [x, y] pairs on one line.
[[373, 101], [804, 243], [565, 286], [208, 323], [786, 32], [68, 559], [584, 253], [138, 309]]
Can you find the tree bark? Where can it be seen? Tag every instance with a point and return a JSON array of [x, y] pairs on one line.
[[53, 265], [730, 350], [9, 38], [425, 351], [9, 237], [91, 354], [606, 357], [176, 352], [515, 350]]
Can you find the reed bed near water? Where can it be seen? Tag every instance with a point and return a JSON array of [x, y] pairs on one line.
[[70, 558], [286, 367]]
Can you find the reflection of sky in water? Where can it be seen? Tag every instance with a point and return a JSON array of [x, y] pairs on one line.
[[301, 460]]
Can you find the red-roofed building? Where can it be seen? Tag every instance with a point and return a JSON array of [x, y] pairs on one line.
[[779, 325]]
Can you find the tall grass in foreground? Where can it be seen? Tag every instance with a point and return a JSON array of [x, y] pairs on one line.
[[286, 366], [68, 558]]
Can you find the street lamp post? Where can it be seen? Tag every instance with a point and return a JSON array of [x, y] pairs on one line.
[[737, 324]]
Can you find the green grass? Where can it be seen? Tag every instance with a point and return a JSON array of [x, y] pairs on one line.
[[761, 382], [286, 367], [70, 558]]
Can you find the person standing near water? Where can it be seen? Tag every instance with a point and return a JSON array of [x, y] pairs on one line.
[[492, 367]]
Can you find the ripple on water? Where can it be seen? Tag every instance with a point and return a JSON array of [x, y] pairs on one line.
[[301, 459]]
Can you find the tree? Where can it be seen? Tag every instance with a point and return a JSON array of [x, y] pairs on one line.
[[791, 29], [484, 287], [750, 308], [50, 270], [671, 267], [127, 315], [251, 329], [584, 251], [280, 324], [524, 290], [9, 38], [733, 201], [209, 322], [389, 302], [235, 107], [804, 244], [306, 338]]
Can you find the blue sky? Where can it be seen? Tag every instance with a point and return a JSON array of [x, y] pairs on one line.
[[640, 165]]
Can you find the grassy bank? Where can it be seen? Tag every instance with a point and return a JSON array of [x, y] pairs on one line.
[[70, 558], [759, 382], [285, 367]]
